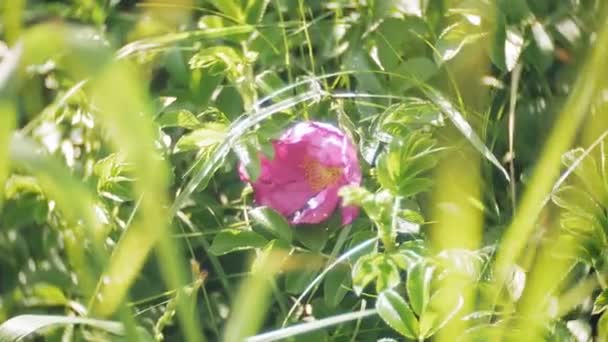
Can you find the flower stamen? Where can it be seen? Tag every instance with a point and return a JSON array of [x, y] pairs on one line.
[[320, 176]]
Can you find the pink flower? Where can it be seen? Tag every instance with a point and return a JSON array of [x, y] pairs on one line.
[[312, 161]]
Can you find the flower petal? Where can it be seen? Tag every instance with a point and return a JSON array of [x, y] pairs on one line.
[[318, 208], [284, 198], [312, 160]]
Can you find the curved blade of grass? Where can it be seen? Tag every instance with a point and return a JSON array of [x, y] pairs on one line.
[[123, 108], [464, 127], [168, 39], [8, 70], [312, 326], [252, 300], [237, 129], [574, 165], [591, 80], [20, 327], [61, 187], [58, 183], [321, 275], [7, 124]]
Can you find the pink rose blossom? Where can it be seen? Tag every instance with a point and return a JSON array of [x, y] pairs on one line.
[[312, 161]]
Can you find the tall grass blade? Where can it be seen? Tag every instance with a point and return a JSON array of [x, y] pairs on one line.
[[21, 327], [312, 326], [237, 129], [464, 127], [166, 40]]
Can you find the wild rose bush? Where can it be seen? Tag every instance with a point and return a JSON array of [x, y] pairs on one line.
[[259, 170]]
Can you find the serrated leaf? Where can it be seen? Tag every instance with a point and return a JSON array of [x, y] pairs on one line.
[[207, 136], [400, 118], [231, 240], [181, 118], [397, 314], [401, 166], [270, 222]]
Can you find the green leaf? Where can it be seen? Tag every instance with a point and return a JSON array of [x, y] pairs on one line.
[[336, 285], [20, 327], [397, 34], [297, 281], [400, 169], [388, 273], [231, 240], [254, 10], [442, 307], [356, 59], [460, 262], [181, 118], [48, 294], [577, 201], [588, 173], [400, 118], [231, 8], [413, 71], [274, 249], [418, 285], [601, 302], [269, 222], [602, 335], [515, 10], [207, 136], [313, 237], [115, 181], [397, 314], [364, 272], [452, 40]]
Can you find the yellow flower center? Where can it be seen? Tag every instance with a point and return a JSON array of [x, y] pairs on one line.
[[320, 176]]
